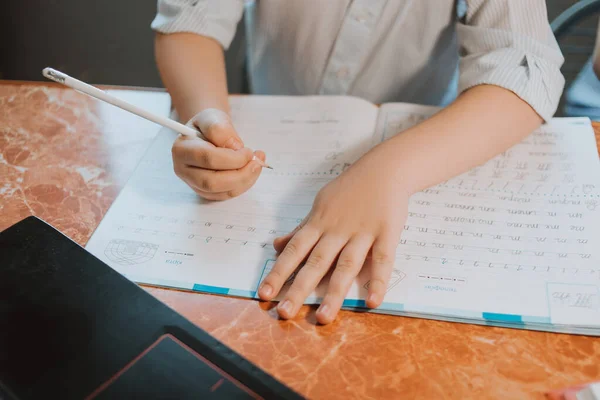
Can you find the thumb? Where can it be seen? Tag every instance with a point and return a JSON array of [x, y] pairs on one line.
[[216, 127]]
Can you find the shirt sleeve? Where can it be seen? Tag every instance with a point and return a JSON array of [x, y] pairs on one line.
[[509, 43], [217, 19]]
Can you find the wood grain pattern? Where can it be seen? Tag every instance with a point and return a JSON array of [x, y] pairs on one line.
[[56, 163]]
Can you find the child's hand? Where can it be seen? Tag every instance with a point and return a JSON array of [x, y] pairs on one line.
[[219, 168], [360, 213]]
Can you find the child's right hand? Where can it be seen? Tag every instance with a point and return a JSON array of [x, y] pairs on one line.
[[219, 168]]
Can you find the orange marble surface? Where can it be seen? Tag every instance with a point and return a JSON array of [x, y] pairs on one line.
[[57, 163]]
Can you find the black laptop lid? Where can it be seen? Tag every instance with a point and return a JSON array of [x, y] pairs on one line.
[[72, 327]]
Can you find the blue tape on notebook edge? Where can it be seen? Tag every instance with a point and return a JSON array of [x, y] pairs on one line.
[[511, 318], [354, 303], [486, 316], [210, 289]]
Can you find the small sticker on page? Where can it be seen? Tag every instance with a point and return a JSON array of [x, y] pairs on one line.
[[576, 304]]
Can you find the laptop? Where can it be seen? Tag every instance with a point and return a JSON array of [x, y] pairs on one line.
[[73, 328]]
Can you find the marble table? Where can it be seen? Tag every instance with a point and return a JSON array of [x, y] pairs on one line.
[[64, 157]]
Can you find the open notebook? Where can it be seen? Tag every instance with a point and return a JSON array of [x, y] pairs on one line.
[[514, 242]]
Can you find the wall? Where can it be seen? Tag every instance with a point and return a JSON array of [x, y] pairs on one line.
[[101, 42]]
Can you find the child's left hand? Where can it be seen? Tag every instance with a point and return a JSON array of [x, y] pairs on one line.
[[360, 213]]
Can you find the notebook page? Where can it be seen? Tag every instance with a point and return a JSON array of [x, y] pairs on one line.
[[117, 121], [516, 240], [158, 231]]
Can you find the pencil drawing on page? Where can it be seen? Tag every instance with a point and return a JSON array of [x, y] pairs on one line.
[[129, 252]]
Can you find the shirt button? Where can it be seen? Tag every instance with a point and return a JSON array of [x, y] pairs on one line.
[[362, 16], [343, 72]]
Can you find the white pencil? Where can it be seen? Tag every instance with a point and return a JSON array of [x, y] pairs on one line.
[[90, 90]]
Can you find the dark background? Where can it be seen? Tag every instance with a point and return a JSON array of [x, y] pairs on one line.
[[110, 41], [100, 42]]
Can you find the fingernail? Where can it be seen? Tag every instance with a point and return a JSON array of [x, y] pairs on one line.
[[324, 310], [372, 298], [286, 307], [266, 289]]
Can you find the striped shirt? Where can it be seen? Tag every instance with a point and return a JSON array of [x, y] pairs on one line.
[[419, 51]]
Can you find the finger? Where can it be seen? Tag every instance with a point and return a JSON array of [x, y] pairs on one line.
[[349, 264], [382, 263], [217, 128], [287, 262], [311, 273], [231, 183], [198, 153], [212, 196], [282, 241], [261, 154], [255, 171]]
